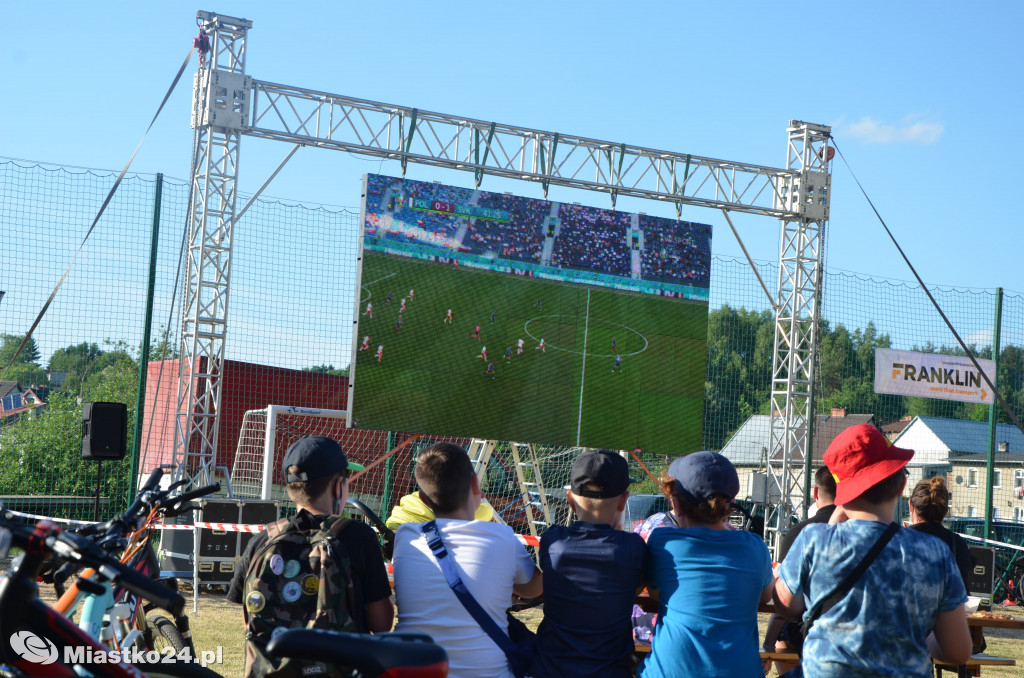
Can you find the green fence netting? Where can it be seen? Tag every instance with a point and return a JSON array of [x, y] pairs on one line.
[[293, 285]]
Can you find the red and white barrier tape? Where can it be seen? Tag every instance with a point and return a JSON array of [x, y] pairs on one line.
[[526, 539]]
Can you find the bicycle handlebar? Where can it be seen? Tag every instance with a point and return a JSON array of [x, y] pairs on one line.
[[180, 504], [74, 547], [46, 536], [148, 498], [121, 524]]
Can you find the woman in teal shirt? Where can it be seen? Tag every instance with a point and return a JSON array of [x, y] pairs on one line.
[[709, 578]]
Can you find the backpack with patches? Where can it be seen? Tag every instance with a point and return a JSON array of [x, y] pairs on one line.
[[298, 579]]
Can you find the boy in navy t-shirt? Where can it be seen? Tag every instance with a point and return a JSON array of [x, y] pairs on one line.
[[592, 571]]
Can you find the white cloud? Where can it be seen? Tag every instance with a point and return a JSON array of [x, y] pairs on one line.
[[981, 338], [911, 129]]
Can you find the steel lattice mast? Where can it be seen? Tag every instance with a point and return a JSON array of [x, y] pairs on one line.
[[229, 104], [220, 112], [797, 313]]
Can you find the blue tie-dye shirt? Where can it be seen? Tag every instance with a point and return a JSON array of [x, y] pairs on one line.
[[879, 628]]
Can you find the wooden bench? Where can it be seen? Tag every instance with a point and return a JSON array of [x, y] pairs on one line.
[[973, 665], [788, 657], [971, 668]]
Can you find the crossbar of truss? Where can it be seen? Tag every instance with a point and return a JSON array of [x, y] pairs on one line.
[[315, 118]]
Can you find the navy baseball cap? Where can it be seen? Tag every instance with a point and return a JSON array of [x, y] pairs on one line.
[[605, 469], [316, 457], [702, 474]]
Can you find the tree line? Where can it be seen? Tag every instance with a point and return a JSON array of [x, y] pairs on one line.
[[41, 453], [739, 367]]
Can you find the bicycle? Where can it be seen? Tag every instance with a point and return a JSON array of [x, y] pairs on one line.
[[51, 644], [117, 617], [42, 641]]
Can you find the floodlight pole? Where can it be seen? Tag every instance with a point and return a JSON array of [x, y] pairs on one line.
[[228, 104]]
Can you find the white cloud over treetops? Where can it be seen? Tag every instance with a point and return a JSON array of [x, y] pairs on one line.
[[912, 129]]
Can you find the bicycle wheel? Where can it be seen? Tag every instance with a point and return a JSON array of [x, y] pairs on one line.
[[165, 634], [175, 669]]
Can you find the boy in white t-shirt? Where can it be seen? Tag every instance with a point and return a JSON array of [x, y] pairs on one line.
[[488, 557]]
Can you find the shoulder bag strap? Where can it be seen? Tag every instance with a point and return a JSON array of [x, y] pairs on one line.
[[485, 620], [827, 603]]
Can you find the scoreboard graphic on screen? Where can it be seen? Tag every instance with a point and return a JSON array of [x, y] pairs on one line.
[[495, 316]]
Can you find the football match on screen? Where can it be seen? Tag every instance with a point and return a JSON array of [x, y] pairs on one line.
[[496, 316]]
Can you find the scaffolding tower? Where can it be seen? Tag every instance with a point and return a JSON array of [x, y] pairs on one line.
[[229, 104]]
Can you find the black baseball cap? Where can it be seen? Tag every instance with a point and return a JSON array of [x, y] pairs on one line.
[[317, 457], [701, 474], [602, 468]]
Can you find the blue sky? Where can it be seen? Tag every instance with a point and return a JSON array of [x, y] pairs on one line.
[[925, 100]]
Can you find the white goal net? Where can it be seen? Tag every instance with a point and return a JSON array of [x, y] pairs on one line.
[[509, 472]]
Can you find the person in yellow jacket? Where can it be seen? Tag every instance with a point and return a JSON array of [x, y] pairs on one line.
[[411, 509]]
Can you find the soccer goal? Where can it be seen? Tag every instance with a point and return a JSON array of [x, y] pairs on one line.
[[524, 483], [265, 436]]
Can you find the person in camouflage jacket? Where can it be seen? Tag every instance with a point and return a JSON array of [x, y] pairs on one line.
[[315, 569]]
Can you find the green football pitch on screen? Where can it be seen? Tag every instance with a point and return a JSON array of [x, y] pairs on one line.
[[616, 369]]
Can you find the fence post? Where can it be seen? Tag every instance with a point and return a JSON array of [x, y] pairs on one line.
[[992, 414], [389, 478], [140, 399]]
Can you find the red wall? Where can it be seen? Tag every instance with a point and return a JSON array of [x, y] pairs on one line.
[[244, 386]]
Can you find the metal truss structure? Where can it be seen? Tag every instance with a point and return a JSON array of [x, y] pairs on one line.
[[314, 118], [229, 104], [797, 314], [220, 111]]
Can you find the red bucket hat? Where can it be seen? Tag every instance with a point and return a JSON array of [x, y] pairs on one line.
[[860, 457]]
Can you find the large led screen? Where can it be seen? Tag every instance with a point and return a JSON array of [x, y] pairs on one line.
[[495, 316]]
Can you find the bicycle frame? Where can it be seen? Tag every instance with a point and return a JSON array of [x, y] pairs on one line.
[[100, 608], [96, 607], [22, 610]]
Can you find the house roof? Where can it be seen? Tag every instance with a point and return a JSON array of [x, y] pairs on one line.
[[981, 458], [746, 445], [7, 386], [966, 437], [896, 427]]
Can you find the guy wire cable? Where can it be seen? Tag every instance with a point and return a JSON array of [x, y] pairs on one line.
[[963, 345], [103, 207]]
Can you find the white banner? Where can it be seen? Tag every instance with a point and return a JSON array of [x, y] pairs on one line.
[[931, 375]]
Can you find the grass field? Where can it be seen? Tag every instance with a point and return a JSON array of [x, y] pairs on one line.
[[431, 378], [220, 623]]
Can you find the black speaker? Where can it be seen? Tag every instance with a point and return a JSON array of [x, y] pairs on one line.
[[104, 430], [981, 580]]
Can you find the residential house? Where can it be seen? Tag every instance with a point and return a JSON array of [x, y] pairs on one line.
[[953, 448], [15, 400], [748, 447], [968, 481], [894, 428], [958, 450]]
